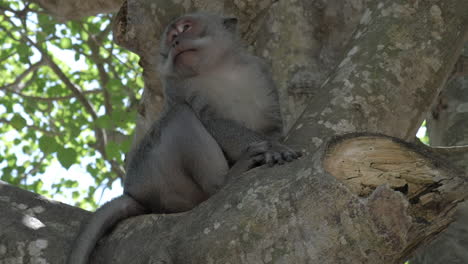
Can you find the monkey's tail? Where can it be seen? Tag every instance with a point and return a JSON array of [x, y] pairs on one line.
[[101, 222]]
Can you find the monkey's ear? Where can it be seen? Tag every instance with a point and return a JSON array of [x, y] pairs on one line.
[[230, 23]]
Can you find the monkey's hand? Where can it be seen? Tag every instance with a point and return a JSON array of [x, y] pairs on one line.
[[252, 157], [270, 153], [262, 152], [278, 153], [238, 141]]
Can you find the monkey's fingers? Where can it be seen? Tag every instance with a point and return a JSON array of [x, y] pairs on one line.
[[278, 157], [258, 160], [291, 155], [269, 160], [287, 157]]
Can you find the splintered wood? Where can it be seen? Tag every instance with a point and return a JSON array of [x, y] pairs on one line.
[[365, 162]]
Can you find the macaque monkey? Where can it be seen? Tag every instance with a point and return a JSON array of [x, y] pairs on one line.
[[221, 118]]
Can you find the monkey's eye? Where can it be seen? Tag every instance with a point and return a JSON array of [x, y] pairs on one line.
[[184, 26]]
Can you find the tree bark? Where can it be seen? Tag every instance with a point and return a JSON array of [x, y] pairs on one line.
[[34, 229], [307, 212]]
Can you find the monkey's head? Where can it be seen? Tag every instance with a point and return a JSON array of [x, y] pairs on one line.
[[195, 43]]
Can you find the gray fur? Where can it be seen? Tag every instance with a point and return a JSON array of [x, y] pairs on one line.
[[221, 118]]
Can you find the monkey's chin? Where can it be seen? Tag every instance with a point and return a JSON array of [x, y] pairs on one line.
[[186, 62]]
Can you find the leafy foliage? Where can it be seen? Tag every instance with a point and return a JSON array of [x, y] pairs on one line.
[[67, 94]]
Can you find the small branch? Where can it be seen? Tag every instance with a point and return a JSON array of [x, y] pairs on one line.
[[17, 84], [57, 98], [118, 169], [35, 169], [103, 75], [7, 57], [33, 127]]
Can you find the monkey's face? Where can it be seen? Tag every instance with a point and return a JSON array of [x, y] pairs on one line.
[[194, 44]]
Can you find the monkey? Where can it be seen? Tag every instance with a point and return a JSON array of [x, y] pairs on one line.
[[220, 118]]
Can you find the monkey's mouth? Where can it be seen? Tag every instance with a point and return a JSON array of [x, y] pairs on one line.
[[181, 52]]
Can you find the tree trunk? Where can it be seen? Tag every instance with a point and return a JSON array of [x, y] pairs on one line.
[[362, 198]]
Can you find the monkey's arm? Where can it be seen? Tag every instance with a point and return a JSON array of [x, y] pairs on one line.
[[235, 139]]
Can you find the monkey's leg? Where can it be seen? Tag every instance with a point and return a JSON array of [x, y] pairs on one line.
[[201, 159], [178, 165]]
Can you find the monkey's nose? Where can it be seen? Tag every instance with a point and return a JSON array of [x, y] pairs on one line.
[[175, 43]]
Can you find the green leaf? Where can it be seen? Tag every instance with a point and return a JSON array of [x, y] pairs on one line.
[[126, 144], [27, 150], [22, 49], [65, 43], [104, 122], [113, 150], [114, 85], [67, 157], [46, 22], [37, 185], [18, 122], [70, 184], [48, 144]]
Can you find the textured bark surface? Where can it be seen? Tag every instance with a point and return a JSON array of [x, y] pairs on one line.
[[296, 213], [34, 229], [304, 41], [447, 126]]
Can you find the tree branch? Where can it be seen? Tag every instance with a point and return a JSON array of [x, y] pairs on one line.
[[16, 85], [36, 128], [57, 98]]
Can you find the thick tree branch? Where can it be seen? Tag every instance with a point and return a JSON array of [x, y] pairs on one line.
[[34, 228], [390, 76], [297, 214]]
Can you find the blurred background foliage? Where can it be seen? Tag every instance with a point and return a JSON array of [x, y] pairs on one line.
[[68, 95]]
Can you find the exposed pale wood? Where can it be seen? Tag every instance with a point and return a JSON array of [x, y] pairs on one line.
[[364, 163]]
